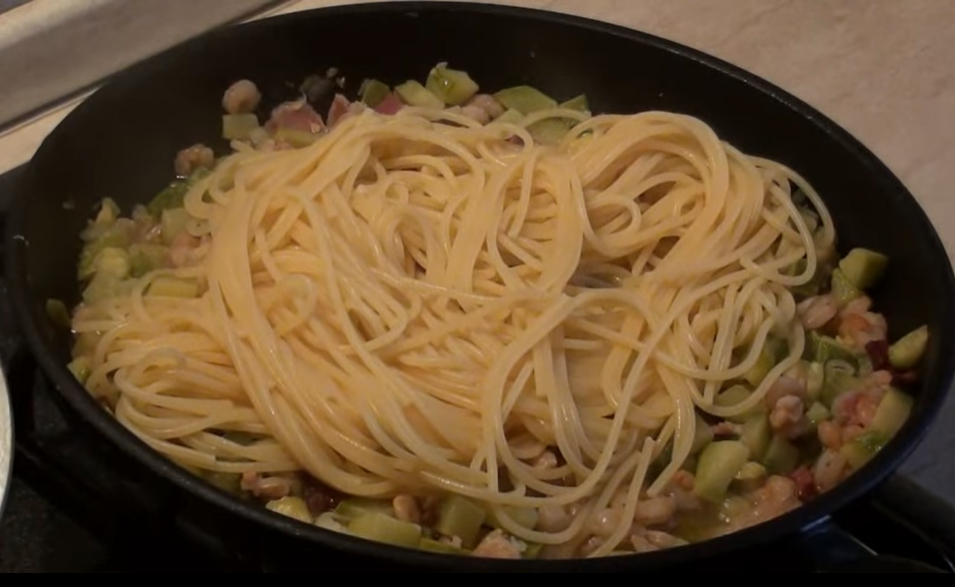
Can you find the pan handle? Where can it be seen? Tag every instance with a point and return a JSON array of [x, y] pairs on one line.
[[834, 550], [899, 507]]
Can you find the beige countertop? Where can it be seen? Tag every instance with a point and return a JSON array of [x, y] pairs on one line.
[[884, 69]]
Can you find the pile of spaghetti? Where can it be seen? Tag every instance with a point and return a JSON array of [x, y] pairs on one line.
[[419, 304]]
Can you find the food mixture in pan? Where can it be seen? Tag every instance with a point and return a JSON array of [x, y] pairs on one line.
[[490, 324]]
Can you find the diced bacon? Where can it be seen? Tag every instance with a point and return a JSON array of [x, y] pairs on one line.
[[266, 487], [805, 483], [390, 105], [878, 351], [299, 116]]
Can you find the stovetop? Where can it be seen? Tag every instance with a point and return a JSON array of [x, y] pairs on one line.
[[68, 510]]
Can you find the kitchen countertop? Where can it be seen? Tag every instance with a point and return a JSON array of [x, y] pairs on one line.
[[883, 69]]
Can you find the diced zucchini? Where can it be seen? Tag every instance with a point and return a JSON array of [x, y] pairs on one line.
[[815, 378], [524, 517], [719, 464], [690, 463], [174, 194], [241, 438], [350, 509], [817, 414], [383, 528], [510, 117], [838, 382], [113, 262], [238, 126], [58, 313], [297, 138], [438, 547], [751, 471], [782, 457], [735, 507], [329, 521], [292, 507], [906, 352], [810, 288], [822, 349], [532, 551], [173, 222], [80, 367], [774, 350], [578, 103], [230, 483], [843, 290], [414, 94], [373, 92], [756, 434], [525, 99], [170, 197], [451, 86], [550, 131], [734, 396], [861, 450], [461, 517], [702, 436], [108, 212], [104, 286], [751, 476], [173, 287], [892, 413], [144, 257], [116, 236], [863, 268]]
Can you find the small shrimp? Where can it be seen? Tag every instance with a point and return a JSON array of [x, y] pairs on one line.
[[681, 488], [641, 542], [830, 434], [489, 104], [546, 461], [786, 386], [829, 470], [859, 305], [664, 540], [592, 544], [407, 509], [180, 253], [271, 488], [861, 329], [553, 519], [866, 408], [857, 408], [476, 114], [655, 511], [242, 97], [604, 522], [193, 158], [498, 545], [788, 417], [816, 312]]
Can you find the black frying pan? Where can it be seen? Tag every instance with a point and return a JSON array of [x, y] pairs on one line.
[[120, 143]]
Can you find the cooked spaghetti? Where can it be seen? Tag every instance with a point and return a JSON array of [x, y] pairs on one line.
[[418, 304]]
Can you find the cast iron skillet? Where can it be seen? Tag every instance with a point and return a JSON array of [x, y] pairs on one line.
[[120, 143]]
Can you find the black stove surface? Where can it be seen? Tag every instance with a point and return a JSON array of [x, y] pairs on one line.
[[72, 510]]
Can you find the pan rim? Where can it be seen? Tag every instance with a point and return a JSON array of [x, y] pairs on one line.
[[801, 519], [6, 442]]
